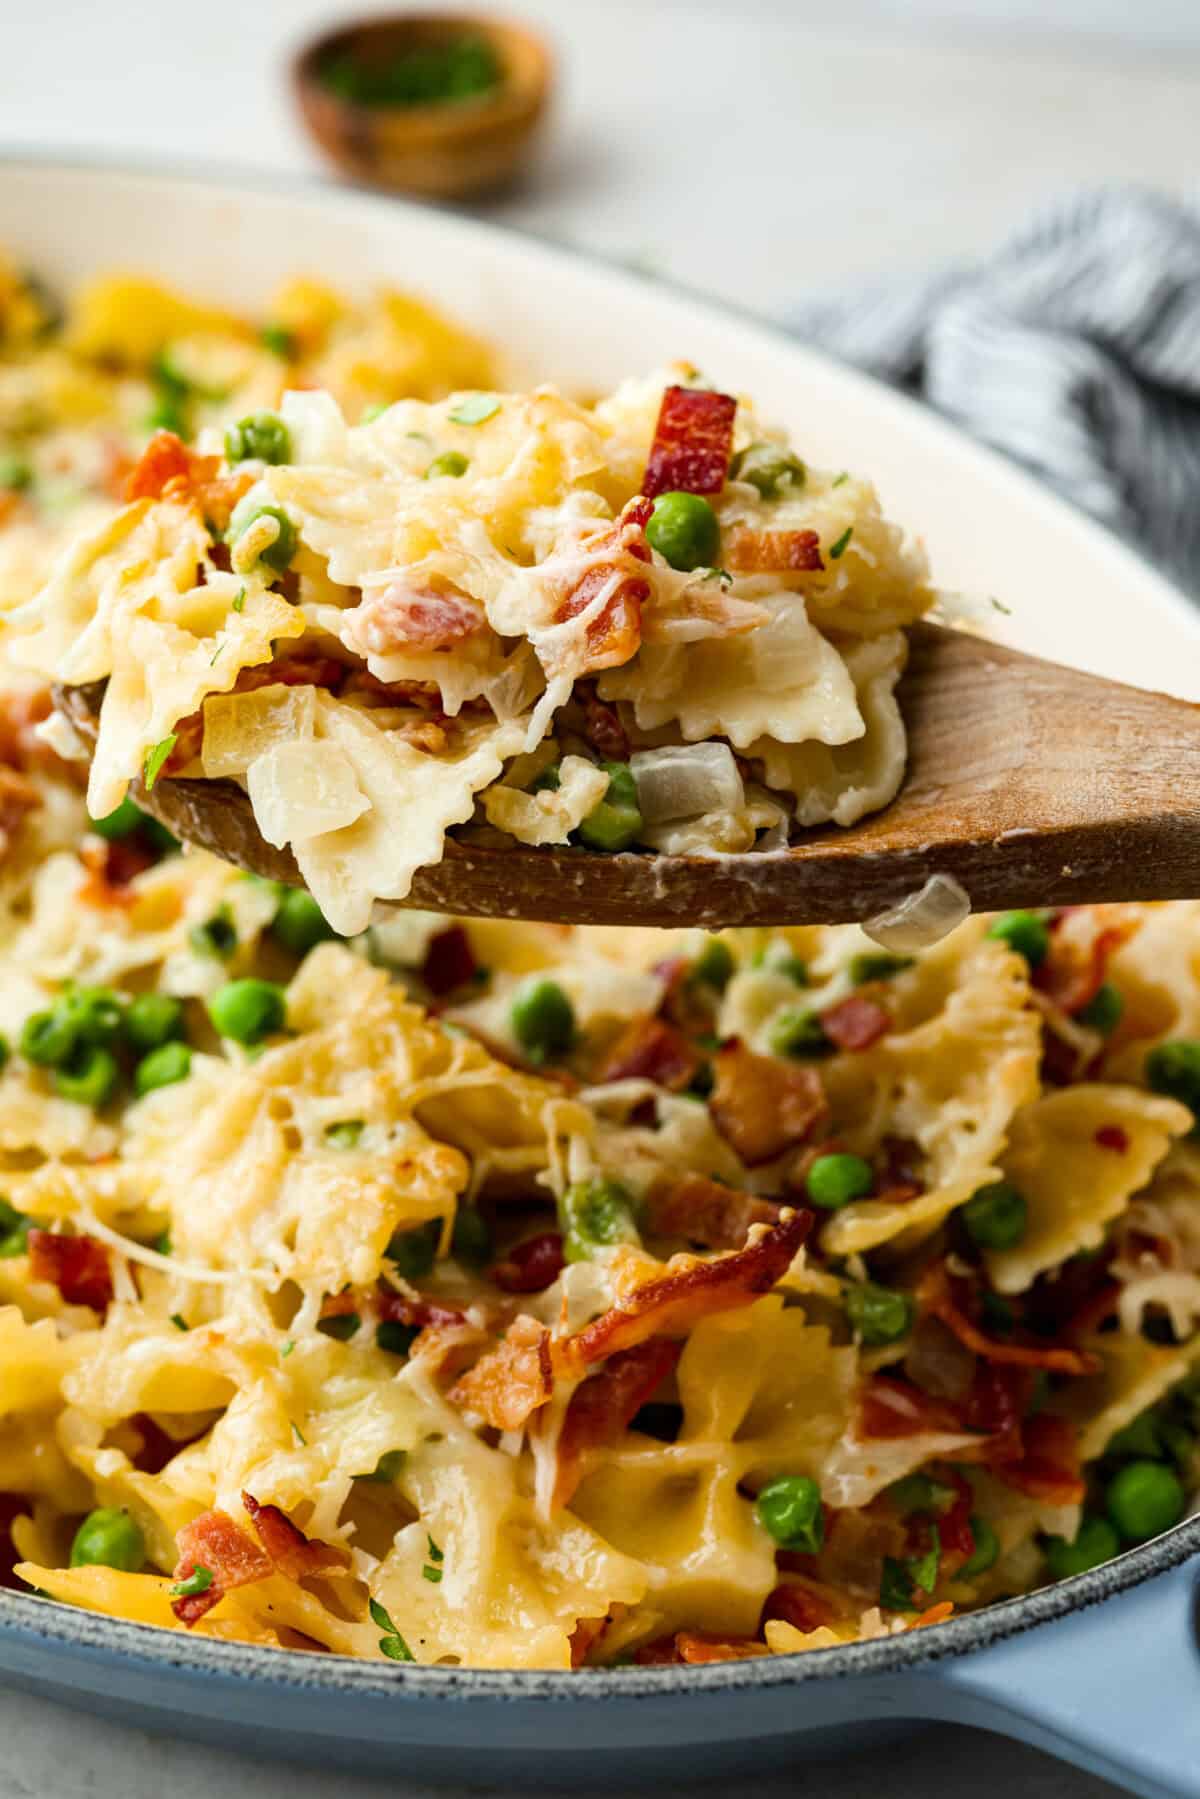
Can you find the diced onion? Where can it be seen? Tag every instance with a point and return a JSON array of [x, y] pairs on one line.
[[686, 780], [921, 919]]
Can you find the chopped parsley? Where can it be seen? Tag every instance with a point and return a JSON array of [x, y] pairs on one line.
[[239, 600], [345, 1133], [198, 1581], [299, 1435], [838, 479], [387, 1469], [902, 1580], [475, 409], [392, 1644], [999, 606], [155, 759], [179, 1321], [837, 550], [287, 1349]]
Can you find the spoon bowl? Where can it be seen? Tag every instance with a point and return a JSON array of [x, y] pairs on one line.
[[1029, 783]]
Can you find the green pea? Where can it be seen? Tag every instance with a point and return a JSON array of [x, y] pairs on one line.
[[120, 823], [1024, 932], [1173, 1069], [109, 1538], [872, 966], [714, 965], [919, 1493], [1096, 1541], [451, 462], [299, 923], [98, 1013], [248, 1010], [542, 1020], [683, 529], [15, 473], [14, 1232], [395, 1338], [986, 1551], [345, 1133], [616, 821], [996, 1216], [414, 1251], [549, 781], [152, 1020], [279, 340], [157, 837], [48, 1038], [1143, 1499], [878, 1314], [162, 1067], [259, 437], [781, 960], [90, 1076], [277, 555], [471, 1240], [790, 1509], [769, 467], [798, 1031], [167, 413], [1103, 1012], [216, 937], [594, 1214], [341, 1326], [1140, 1438], [833, 1181]]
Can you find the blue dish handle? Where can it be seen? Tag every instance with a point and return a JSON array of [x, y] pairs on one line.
[[1114, 1687]]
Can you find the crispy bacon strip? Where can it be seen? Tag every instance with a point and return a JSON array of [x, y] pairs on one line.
[[168, 470], [804, 1604], [697, 1647], [449, 961], [748, 552], [603, 1406], [693, 440], [1049, 1464], [653, 1050], [77, 1266], [948, 1297], [890, 1408], [508, 1384], [689, 1289], [615, 634], [420, 620], [762, 1105], [216, 1542], [423, 1314], [602, 725], [707, 1212], [531, 1266], [290, 1550], [1114, 1137], [855, 1023], [584, 1637], [1084, 939]]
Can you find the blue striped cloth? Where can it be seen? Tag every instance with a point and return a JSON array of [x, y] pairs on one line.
[[1075, 349]]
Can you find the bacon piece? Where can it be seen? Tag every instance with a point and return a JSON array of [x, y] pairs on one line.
[[614, 635], [449, 961], [748, 552], [112, 869], [584, 1637], [21, 749], [803, 1603], [508, 1384], [686, 1002], [1048, 1467], [652, 1050], [856, 1023], [889, 1408], [602, 725], [18, 796], [946, 1296], [693, 440], [216, 1542], [995, 1406], [423, 1314], [1084, 939], [660, 1652], [1112, 1136], [689, 1289], [696, 1648], [762, 1105], [707, 1212], [603, 1406], [402, 618], [531, 1266], [77, 1266], [290, 1550], [954, 1526], [168, 470]]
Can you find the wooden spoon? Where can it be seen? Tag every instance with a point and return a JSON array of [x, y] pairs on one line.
[[1029, 783]]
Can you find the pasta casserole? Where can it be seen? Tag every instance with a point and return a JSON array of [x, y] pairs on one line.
[[505, 1294]]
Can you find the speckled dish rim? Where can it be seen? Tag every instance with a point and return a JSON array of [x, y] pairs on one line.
[[156, 1648]]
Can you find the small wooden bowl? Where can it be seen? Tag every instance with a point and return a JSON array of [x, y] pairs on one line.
[[441, 152]]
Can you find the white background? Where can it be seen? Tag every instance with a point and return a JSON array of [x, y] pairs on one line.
[[751, 148]]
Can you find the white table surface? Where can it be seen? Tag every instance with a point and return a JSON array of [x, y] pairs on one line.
[[751, 148]]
